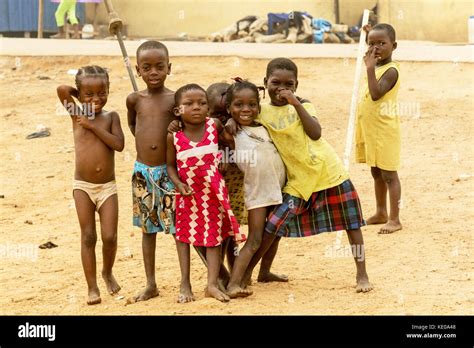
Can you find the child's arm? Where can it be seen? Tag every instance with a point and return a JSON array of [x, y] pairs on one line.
[[65, 95], [310, 124], [113, 139], [131, 112], [379, 88], [184, 189]]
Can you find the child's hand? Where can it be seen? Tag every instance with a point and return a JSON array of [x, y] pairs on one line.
[[84, 122], [369, 58], [175, 126], [184, 189], [289, 96], [367, 28], [231, 126]]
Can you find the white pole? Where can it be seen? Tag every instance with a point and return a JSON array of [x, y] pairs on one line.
[[354, 100], [355, 91]]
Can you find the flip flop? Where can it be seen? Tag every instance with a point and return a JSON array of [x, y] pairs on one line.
[[40, 134], [48, 245]]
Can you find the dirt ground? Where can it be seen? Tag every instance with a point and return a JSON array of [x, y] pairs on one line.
[[424, 269]]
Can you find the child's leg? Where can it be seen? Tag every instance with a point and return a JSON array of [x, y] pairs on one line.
[[267, 241], [108, 213], [86, 215], [224, 275], [148, 248], [213, 256], [184, 257], [257, 219], [392, 181], [230, 248], [380, 187], [357, 245], [264, 275]]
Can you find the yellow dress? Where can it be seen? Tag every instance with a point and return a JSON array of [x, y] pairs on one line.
[[311, 165], [378, 126]]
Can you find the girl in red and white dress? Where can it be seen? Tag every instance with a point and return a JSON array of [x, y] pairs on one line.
[[203, 213]]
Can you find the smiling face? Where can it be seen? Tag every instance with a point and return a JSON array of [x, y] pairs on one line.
[[193, 108], [244, 107], [279, 80], [94, 92], [379, 40], [153, 66]]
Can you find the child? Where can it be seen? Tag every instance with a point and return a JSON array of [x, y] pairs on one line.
[[318, 196], [264, 173], [234, 179], [203, 213], [97, 135], [149, 113], [378, 126]]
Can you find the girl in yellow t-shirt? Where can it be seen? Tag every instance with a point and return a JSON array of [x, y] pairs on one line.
[[318, 195], [378, 126]]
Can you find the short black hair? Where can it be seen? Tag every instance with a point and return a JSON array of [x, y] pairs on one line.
[[91, 71], [152, 45], [217, 89], [282, 64], [185, 88], [388, 29], [238, 86]]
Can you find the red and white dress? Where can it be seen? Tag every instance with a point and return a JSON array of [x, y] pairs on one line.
[[204, 218]]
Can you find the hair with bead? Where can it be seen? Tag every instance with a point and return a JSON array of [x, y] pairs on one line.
[[239, 85], [282, 64], [189, 87], [91, 71]]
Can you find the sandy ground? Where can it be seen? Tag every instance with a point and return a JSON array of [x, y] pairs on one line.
[[424, 269]]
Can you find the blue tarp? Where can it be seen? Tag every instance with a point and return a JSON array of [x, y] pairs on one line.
[[22, 15]]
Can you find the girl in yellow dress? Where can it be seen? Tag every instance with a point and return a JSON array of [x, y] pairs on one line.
[[378, 125]]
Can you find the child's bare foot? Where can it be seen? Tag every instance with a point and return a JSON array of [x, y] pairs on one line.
[[377, 219], [149, 292], [271, 277], [363, 284], [185, 294], [112, 285], [236, 291], [213, 291], [390, 227], [93, 296]]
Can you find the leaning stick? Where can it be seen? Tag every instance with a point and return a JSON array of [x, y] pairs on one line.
[[115, 28], [354, 100]]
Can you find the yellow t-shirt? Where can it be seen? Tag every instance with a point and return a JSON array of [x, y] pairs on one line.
[[311, 165], [378, 126]]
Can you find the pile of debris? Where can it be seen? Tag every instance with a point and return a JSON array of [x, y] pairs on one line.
[[290, 27]]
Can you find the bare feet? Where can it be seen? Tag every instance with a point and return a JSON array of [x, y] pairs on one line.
[[213, 291], [377, 219], [185, 294], [112, 285], [236, 291], [93, 296], [149, 292], [390, 227], [363, 284], [272, 277]]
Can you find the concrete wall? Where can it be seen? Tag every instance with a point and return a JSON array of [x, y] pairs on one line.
[[432, 20], [201, 17]]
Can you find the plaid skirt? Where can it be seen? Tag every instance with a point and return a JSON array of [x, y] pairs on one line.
[[334, 209]]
